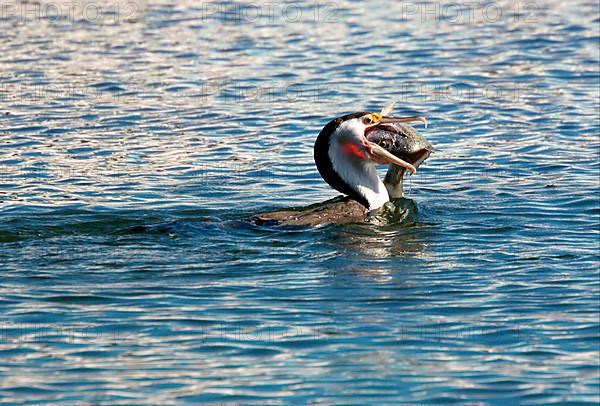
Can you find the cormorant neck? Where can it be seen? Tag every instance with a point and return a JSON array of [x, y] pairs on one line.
[[356, 178], [360, 176]]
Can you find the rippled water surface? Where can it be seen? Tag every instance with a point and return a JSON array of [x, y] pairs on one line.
[[134, 146]]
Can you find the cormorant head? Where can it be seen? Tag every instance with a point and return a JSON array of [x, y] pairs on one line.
[[346, 154]]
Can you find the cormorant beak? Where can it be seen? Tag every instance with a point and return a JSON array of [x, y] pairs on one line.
[[382, 156], [387, 120]]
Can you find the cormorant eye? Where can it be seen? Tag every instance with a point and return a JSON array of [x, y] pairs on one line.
[[367, 120]]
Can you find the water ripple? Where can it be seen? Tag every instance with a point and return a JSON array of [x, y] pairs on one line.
[[134, 148]]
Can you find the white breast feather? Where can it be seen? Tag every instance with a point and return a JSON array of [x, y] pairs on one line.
[[361, 175]]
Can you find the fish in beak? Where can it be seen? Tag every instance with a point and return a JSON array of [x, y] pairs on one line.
[[384, 140], [400, 145]]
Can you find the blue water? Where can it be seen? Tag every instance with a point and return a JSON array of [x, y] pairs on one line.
[[134, 148]]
